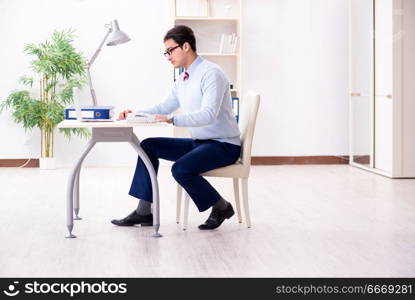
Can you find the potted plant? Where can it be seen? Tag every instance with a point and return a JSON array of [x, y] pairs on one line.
[[58, 69]]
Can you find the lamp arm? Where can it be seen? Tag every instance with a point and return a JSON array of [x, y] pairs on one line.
[[91, 88], [89, 63]]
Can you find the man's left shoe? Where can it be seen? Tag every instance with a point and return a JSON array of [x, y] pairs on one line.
[[133, 219], [217, 217]]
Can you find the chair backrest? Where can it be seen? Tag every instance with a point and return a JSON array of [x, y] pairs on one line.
[[248, 111]]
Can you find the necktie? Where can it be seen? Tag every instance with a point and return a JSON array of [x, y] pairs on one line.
[[186, 76]]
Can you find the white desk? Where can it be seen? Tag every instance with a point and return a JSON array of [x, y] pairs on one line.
[[117, 131]]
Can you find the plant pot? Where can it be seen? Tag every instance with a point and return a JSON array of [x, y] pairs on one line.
[[47, 163]]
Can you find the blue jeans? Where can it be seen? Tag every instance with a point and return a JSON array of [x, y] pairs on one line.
[[192, 157]]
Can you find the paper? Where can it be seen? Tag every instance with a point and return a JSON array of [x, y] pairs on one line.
[[140, 118]]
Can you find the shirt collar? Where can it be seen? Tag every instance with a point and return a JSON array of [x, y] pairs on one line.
[[194, 64]]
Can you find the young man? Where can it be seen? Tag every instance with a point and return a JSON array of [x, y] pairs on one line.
[[203, 94]]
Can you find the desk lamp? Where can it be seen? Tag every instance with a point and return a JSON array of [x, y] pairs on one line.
[[113, 37]]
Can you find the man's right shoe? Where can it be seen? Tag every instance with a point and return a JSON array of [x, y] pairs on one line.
[[133, 219], [217, 217]]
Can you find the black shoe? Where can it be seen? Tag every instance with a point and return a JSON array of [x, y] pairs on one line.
[[217, 217], [133, 219]]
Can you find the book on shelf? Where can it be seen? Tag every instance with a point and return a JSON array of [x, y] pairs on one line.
[[235, 107], [235, 43], [222, 42], [228, 43]]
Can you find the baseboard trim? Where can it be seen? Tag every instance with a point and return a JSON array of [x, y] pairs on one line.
[[362, 159], [15, 163], [256, 160], [300, 160]]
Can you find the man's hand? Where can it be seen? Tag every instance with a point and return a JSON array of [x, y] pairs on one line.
[[163, 118], [123, 114]]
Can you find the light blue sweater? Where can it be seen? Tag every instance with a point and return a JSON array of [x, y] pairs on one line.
[[206, 102]]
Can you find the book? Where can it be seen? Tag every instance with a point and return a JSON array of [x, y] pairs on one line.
[[235, 107], [228, 43], [234, 44], [90, 113], [222, 42]]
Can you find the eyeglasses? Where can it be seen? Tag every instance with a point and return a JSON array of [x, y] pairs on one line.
[[170, 51]]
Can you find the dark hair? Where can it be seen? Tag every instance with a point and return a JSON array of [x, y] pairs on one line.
[[181, 34]]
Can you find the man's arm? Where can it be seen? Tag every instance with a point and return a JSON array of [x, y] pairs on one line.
[[170, 104], [213, 88]]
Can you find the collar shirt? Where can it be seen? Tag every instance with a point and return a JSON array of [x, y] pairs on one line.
[[202, 93]]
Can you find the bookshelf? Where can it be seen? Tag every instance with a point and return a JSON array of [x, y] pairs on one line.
[[216, 24], [209, 20]]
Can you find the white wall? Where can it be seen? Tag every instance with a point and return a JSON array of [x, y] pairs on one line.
[[295, 55], [130, 75]]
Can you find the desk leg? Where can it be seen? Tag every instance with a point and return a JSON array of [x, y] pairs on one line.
[[154, 185], [76, 195], [70, 189]]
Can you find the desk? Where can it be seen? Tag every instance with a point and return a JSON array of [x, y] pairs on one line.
[[117, 131]]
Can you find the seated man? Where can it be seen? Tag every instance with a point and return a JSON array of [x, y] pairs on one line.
[[202, 92]]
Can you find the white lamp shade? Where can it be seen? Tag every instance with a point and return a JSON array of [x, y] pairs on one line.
[[116, 36]]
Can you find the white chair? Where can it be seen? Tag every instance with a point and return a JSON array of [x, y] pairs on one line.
[[240, 170]]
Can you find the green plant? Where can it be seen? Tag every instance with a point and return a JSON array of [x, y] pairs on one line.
[[59, 68]]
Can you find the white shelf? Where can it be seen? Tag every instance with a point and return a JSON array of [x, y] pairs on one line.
[[206, 18], [211, 20], [218, 54]]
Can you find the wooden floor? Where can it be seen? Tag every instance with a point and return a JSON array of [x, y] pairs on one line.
[[310, 221]]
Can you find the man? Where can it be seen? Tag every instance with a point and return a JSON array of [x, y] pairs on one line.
[[204, 96]]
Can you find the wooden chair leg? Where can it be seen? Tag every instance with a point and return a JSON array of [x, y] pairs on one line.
[[237, 202], [179, 203], [245, 200], [186, 210]]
